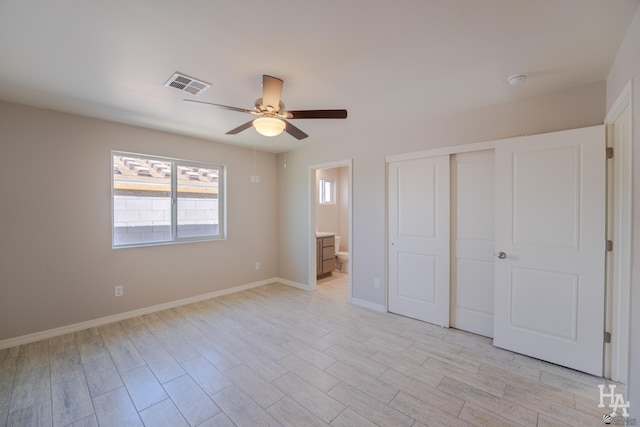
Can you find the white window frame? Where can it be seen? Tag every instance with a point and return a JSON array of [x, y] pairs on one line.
[[323, 192], [222, 192]]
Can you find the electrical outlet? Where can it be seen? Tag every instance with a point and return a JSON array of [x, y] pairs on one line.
[[376, 283], [255, 179], [119, 290], [257, 266]]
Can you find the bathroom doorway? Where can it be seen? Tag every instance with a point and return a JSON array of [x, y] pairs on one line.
[[330, 224]]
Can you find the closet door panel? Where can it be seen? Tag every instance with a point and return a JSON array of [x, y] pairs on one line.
[[472, 233], [419, 239], [550, 229]]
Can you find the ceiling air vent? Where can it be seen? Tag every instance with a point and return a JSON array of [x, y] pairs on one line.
[[187, 84]]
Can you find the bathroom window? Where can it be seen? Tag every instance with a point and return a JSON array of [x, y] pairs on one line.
[[327, 192], [158, 200]]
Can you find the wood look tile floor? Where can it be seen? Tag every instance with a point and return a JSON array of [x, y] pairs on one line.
[[276, 355]]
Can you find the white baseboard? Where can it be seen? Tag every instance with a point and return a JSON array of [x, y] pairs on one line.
[[50, 333], [380, 308], [292, 283]]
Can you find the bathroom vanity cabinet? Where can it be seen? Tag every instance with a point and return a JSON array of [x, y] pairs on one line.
[[325, 255]]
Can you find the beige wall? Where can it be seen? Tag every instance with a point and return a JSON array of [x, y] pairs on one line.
[[626, 67], [574, 108], [57, 266]]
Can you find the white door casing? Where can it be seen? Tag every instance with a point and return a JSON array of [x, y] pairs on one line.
[[619, 123], [550, 224], [472, 238], [418, 232]]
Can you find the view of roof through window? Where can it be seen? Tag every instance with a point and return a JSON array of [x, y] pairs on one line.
[[138, 174]]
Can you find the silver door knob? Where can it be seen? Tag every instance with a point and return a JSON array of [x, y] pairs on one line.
[[502, 255]]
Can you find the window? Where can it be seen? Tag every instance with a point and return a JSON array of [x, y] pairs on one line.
[[327, 192], [158, 200]]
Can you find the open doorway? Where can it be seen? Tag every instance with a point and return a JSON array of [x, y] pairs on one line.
[[331, 243]]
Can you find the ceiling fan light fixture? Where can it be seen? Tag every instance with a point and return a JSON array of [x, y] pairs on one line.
[[269, 126]]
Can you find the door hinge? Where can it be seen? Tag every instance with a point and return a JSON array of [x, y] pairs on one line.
[[607, 337], [609, 152], [609, 245]]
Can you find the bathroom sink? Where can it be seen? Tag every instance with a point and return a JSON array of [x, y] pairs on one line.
[[324, 234]]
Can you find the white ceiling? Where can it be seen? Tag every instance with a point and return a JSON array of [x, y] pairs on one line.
[[401, 61]]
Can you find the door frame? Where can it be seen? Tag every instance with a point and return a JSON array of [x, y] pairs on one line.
[[311, 230], [618, 264]]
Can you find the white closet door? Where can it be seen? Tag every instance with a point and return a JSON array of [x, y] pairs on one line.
[[419, 239], [472, 234], [550, 223]]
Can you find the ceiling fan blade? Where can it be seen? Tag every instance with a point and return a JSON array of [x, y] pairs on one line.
[[294, 131], [241, 128], [317, 114], [271, 91], [226, 107]]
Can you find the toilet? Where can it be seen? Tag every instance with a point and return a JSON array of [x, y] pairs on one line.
[[342, 258]]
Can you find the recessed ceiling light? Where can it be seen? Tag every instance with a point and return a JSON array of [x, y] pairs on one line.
[[517, 79]]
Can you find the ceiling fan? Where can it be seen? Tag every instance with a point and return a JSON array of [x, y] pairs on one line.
[[272, 114]]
